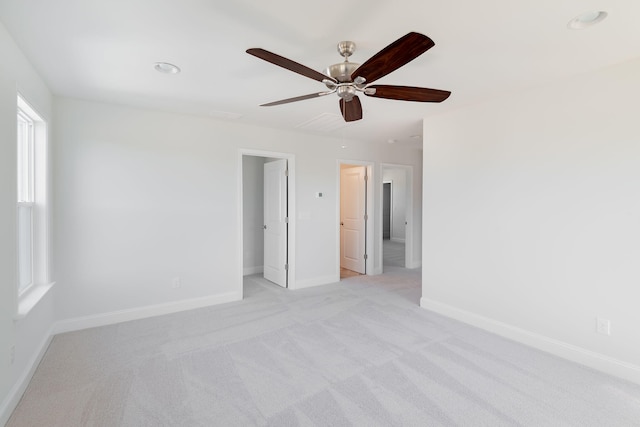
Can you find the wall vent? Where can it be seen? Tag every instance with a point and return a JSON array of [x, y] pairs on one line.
[[325, 122]]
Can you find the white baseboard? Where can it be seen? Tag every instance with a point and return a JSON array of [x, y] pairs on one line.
[[247, 271], [414, 264], [316, 281], [601, 362], [103, 319], [18, 389], [397, 239]]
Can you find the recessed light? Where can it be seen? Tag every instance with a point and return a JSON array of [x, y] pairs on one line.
[[166, 68], [586, 19], [391, 141], [343, 146]]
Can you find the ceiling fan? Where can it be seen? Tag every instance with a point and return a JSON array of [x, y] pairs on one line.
[[346, 78]]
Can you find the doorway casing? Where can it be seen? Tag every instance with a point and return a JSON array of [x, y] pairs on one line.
[[409, 201], [291, 214]]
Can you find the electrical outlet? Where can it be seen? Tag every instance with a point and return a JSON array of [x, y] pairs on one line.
[[176, 283], [603, 326]]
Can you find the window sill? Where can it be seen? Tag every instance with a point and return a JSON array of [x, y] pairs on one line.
[[30, 299]]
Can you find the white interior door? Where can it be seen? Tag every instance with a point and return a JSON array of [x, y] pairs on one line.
[[352, 218], [275, 222]]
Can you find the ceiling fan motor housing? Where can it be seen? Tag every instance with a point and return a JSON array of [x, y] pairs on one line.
[[341, 71]]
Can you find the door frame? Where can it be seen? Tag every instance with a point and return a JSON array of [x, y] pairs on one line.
[[371, 232], [291, 195], [409, 214]]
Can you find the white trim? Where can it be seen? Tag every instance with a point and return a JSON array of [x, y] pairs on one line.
[[12, 399], [30, 298], [397, 239], [247, 271], [317, 281], [601, 362], [414, 264], [120, 316], [26, 106]]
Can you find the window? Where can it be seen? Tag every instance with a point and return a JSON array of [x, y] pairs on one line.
[[32, 212], [25, 201]]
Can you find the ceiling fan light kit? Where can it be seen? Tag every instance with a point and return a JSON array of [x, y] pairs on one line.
[[346, 78]]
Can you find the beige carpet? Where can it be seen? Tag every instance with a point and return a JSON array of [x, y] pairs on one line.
[[359, 352]]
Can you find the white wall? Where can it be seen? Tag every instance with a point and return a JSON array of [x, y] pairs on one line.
[[30, 334], [253, 214], [142, 197], [532, 216], [398, 200], [145, 196]]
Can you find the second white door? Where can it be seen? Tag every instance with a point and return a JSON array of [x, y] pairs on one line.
[[275, 222], [352, 218]]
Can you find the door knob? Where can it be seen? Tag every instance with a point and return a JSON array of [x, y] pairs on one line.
[[264, 226], [342, 223]]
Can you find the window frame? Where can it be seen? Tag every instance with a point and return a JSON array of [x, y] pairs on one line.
[[32, 190], [26, 147], [25, 179]]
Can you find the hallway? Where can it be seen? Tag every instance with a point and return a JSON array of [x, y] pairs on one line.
[[393, 253]]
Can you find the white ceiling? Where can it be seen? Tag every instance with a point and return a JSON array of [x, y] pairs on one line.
[[105, 50]]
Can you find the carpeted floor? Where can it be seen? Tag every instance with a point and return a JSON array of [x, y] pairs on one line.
[[393, 253], [359, 352]]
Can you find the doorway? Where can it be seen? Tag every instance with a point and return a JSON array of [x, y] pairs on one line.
[[354, 218], [266, 204], [397, 216], [386, 209]]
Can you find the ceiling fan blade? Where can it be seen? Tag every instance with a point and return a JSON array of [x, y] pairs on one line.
[[283, 62], [351, 110], [408, 93], [297, 98], [394, 56]]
